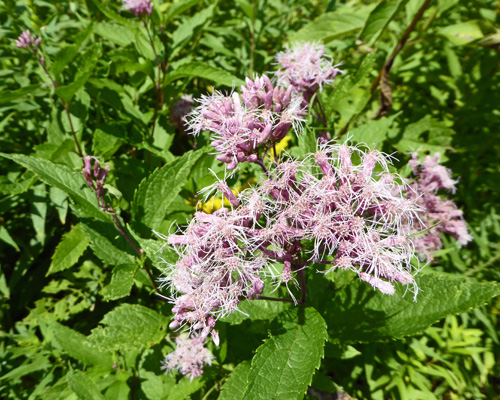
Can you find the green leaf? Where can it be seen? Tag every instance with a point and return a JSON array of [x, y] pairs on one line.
[[74, 343], [114, 16], [9, 95], [185, 30], [121, 283], [378, 20], [307, 142], [179, 7], [105, 245], [426, 135], [69, 250], [156, 192], [86, 67], [202, 70], [63, 178], [234, 387], [66, 54], [5, 237], [26, 181], [116, 34], [284, 365], [104, 144], [333, 25], [255, 310], [358, 313], [129, 327], [464, 32], [373, 133], [83, 386]]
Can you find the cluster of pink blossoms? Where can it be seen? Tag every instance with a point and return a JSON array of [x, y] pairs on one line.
[[139, 8], [27, 41], [305, 68], [245, 126], [340, 214], [430, 178]]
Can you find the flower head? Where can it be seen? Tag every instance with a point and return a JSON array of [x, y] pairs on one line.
[[139, 8], [27, 41], [438, 215], [189, 358], [305, 68]]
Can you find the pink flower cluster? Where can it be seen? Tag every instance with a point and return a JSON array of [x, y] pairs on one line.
[[336, 212], [27, 41], [245, 126], [95, 178], [189, 357], [139, 8], [430, 178], [305, 68]]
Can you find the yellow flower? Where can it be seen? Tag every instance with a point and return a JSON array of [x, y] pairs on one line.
[[283, 144]]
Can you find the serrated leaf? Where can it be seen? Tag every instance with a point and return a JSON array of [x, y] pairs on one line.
[[201, 70], [121, 283], [378, 20], [256, 309], [69, 250], [358, 313], [104, 245], [284, 365], [185, 30], [14, 188], [74, 343], [373, 133], [10, 95], [437, 140], [333, 25], [156, 192], [307, 142], [83, 386], [86, 66], [66, 54], [63, 178], [129, 327], [234, 387], [114, 16]]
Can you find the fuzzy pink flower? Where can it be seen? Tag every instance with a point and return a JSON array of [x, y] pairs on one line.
[[189, 358], [305, 68], [430, 178], [27, 41], [139, 8]]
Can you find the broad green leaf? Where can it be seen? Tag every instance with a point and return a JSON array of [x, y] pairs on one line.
[[283, 366], [185, 30], [463, 33], [121, 283], [30, 366], [66, 54], [104, 144], [10, 95], [372, 133], [114, 16], [22, 186], [156, 192], [379, 19], [129, 327], [119, 390], [202, 70], [104, 242], [438, 139], [256, 309], [235, 385], [83, 386], [86, 67], [5, 237], [59, 200], [333, 25], [359, 313], [74, 343], [116, 34], [179, 7], [69, 250], [63, 178]]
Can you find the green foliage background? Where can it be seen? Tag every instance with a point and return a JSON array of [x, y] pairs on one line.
[[79, 317]]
